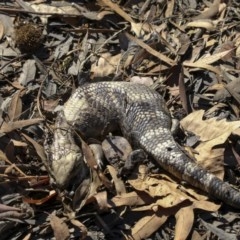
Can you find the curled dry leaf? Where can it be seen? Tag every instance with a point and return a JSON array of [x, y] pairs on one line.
[[39, 149], [106, 65], [102, 200], [202, 66], [148, 81], [28, 72], [169, 10], [152, 51], [211, 11], [10, 126], [15, 107], [141, 29], [210, 150], [5, 208], [60, 228], [147, 225], [115, 7], [116, 149], [227, 90], [220, 233], [184, 222], [131, 199], [185, 217], [81, 226], [2, 30], [205, 61], [6, 25], [92, 15], [40, 200], [194, 123], [165, 193], [207, 24], [118, 183], [213, 58], [46, 8]]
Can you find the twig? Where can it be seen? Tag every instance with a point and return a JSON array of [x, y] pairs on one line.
[[152, 51]]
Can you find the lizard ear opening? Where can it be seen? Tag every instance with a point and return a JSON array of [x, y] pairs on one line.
[[169, 149]]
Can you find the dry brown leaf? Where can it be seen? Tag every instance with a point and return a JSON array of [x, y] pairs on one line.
[[165, 192], [6, 25], [182, 91], [106, 65], [237, 47], [92, 15], [4, 158], [2, 30], [184, 222], [118, 183], [15, 107], [28, 236], [205, 61], [203, 23], [204, 66], [17, 85], [131, 199], [48, 9], [39, 149], [213, 58], [149, 224], [28, 72], [18, 143], [115, 7], [5, 208], [148, 81], [185, 217], [97, 174], [141, 29], [218, 232], [211, 157], [194, 123], [170, 200], [210, 150], [152, 51], [154, 185], [211, 42], [82, 227], [196, 236], [60, 228], [210, 12], [102, 200], [169, 10], [10, 126], [39, 201], [206, 205]]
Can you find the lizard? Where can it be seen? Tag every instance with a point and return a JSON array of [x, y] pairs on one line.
[[144, 119]]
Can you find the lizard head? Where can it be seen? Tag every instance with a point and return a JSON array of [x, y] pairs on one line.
[[65, 162], [68, 170]]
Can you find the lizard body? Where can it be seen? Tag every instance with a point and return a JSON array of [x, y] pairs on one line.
[[143, 118]]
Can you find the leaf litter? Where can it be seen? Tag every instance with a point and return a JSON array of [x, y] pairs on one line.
[[187, 51]]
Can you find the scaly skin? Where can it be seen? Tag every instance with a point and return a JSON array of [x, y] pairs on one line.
[[143, 118]]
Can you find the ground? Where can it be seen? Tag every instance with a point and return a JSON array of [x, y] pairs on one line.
[[186, 50]]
